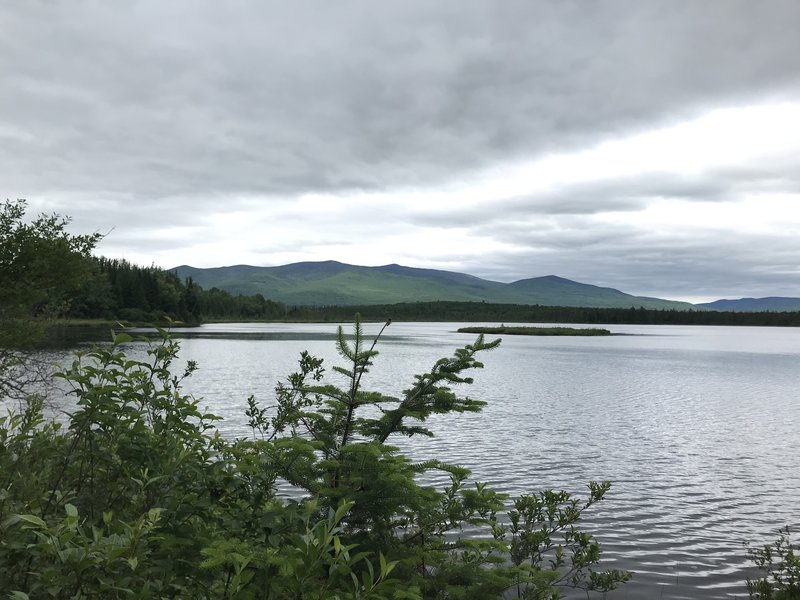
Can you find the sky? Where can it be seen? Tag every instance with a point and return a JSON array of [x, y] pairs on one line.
[[651, 146]]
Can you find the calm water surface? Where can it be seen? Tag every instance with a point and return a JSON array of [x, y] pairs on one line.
[[697, 427]]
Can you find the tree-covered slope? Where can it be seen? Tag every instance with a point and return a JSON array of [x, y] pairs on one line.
[[333, 283], [557, 291]]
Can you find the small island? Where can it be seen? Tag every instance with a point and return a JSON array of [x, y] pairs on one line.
[[536, 330]]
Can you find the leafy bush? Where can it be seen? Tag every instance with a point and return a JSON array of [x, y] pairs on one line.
[[779, 563], [138, 496], [41, 265]]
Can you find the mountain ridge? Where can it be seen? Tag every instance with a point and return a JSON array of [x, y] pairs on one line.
[[767, 303], [328, 283]]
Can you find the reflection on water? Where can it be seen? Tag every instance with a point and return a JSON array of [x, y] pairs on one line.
[[696, 426]]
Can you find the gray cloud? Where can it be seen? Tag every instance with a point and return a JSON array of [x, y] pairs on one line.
[[203, 97], [642, 264], [615, 195]]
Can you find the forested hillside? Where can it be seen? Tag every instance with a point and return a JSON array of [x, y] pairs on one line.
[[118, 289], [330, 282], [121, 290]]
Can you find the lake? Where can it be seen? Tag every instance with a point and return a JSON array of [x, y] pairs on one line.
[[697, 427]]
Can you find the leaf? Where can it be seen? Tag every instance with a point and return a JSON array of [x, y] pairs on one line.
[[121, 338], [12, 520], [383, 564], [341, 510], [367, 578], [33, 520]]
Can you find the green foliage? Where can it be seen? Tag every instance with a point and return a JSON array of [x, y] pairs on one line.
[[331, 282], [41, 265], [219, 305], [137, 496], [48, 272], [120, 290], [779, 564], [330, 440], [124, 291], [535, 521], [153, 498]]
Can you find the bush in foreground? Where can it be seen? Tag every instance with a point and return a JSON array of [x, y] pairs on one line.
[[779, 563], [138, 496]]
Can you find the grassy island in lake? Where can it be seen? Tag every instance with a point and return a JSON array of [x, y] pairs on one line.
[[536, 330]]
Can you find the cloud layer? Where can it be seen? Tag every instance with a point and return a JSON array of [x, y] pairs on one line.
[[650, 146]]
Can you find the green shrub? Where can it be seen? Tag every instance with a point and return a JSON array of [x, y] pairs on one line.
[[779, 564], [332, 442], [138, 496]]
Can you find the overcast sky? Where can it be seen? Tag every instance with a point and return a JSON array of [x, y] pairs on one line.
[[650, 146]]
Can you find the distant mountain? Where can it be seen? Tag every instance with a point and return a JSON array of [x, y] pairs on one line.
[[772, 303], [557, 291], [333, 283]]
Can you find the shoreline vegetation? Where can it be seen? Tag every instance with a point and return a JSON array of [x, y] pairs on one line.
[[438, 311], [543, 331]]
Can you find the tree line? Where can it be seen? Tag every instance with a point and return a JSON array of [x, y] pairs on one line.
[[118, 289], [522, 313]]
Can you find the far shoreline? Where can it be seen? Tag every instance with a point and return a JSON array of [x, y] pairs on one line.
[[540, 331]]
